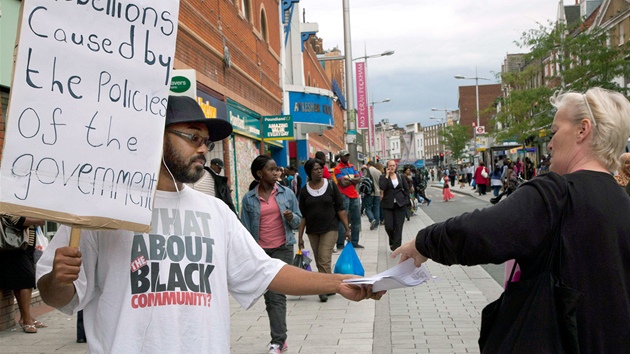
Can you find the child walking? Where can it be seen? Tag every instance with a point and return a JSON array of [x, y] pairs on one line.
[[446, 191]]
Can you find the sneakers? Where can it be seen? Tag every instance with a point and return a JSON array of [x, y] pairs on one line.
[[358, 246], [428, 203], [373, 225], [275, 348]]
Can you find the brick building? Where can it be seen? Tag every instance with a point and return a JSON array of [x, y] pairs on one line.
[[467, 103]]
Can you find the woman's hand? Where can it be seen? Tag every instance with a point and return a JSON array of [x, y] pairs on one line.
[[288, 215], [301, 243], [409, 250]]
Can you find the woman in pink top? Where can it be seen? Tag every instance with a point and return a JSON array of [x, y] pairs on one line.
[[270, 212]]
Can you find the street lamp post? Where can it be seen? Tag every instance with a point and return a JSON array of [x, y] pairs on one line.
[[442, 123], [369, 114], [371, 134], [476, 78], [350, 104]]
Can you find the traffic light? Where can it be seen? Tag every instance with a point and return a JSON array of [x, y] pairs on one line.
[[441, 156]]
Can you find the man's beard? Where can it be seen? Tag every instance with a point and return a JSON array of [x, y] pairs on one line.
[[179, 168]]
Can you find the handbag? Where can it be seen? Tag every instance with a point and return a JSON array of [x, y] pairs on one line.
[[536, 315], [11, 237], [301, 261], [484, 173]]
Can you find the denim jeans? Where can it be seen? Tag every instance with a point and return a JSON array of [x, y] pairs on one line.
[[276, 303], [373, 207], [354, 218]]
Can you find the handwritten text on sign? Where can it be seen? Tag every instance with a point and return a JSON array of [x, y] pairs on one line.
[[87, 108]]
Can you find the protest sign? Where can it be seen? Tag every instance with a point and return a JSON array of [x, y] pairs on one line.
[[86, 114]]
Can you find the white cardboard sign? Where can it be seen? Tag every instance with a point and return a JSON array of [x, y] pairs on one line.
[[86, 115]]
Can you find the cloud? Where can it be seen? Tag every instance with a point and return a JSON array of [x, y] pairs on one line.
[[433, 41]]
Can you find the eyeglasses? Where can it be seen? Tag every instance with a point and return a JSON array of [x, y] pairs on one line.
[[196, 140]]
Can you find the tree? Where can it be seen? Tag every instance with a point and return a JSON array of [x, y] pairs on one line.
[[559, 59], [455, 138]]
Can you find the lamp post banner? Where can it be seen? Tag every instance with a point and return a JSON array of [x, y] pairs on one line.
[[371, 133], [362, 105]]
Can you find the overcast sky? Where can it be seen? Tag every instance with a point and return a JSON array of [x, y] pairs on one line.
[[433, 40]]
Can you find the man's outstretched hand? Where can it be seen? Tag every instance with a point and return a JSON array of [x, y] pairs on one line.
[[357, 292]]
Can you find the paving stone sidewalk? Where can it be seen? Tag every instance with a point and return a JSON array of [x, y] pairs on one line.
[[440, 316]]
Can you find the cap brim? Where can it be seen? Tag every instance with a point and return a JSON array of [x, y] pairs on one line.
[[218, 129]]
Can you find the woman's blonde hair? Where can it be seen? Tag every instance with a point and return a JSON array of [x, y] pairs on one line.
[[609, 113]]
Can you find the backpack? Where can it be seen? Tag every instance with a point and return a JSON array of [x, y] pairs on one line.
[[366, 187]]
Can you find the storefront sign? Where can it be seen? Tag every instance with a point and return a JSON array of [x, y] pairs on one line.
[[244, 120], [311, 108], [86, 114], [184, 83], [277, 128]]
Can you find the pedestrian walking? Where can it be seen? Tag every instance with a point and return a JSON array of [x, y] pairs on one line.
[[395, 203], [470, 170], [212, 183], [446, 190], [347, 178], [17, 270], [482, 179], [411, 210], [373, 200], [579, 207], [270, 213], [420, 187], [322, 209]]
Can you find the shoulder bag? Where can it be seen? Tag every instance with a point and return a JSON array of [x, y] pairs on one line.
[[11, 237], [536, 315]]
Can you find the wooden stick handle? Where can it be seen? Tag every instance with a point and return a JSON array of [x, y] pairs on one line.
[[75, 236]]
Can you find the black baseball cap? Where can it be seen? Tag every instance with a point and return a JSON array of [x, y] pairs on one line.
[[217, 162], [184, 109]]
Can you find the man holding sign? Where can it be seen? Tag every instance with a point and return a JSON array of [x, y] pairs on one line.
[[166, 291]]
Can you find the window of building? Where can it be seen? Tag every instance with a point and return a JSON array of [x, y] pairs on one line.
[[263, 25], [246, 9]]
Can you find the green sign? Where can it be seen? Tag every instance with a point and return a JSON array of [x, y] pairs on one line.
[[278, 127], [180, 84]]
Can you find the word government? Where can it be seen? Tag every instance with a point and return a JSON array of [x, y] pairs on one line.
[[128, 187]]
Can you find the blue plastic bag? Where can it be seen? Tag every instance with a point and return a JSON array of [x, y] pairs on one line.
[[349, 262]]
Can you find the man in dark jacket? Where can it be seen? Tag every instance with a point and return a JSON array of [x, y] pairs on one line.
[[221, 188], [214, 184]]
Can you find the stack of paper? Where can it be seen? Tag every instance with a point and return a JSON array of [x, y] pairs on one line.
[[402, 275]]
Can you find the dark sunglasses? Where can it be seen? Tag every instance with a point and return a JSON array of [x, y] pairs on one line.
[[196, 140]]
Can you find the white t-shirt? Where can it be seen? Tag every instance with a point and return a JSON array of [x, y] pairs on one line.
[[166, 291]]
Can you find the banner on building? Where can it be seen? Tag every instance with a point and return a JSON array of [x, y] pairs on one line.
[[362, 104], [278, 127], [85, 122]]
